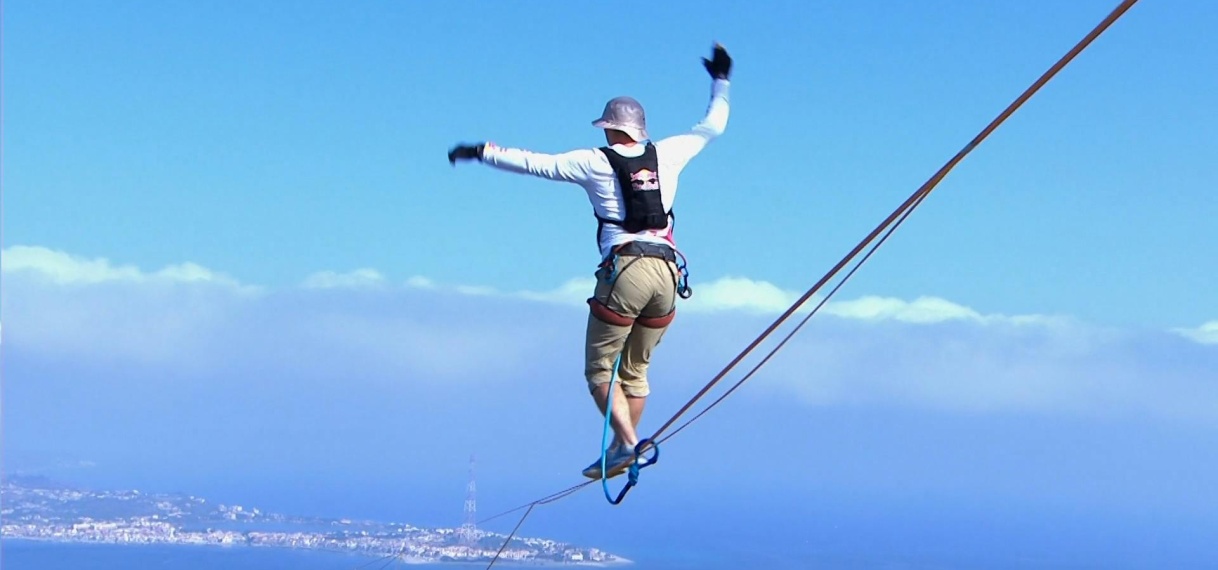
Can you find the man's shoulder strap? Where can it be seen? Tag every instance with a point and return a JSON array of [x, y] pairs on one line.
[[648, 149]]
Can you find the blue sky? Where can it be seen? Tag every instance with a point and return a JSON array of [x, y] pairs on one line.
[[222, 220], [270, 143]]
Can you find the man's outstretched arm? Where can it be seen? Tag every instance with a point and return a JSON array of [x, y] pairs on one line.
[[679, 149], [573, 166]]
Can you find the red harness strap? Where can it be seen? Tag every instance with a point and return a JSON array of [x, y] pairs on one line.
[[605, 314], [657, 322]]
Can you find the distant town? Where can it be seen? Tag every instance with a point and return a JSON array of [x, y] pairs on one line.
[[37, 509]]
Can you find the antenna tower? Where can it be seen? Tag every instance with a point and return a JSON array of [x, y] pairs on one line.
[[468, 533]]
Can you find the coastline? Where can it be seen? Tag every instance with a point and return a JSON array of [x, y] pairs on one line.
[[39, 512], [51, 542]]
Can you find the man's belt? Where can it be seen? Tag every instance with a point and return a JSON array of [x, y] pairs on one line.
[[647, 249]]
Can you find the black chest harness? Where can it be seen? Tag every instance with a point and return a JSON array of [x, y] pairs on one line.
[[642, 203]]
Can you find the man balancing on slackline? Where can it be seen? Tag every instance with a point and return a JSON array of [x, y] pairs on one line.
[[632, 184]]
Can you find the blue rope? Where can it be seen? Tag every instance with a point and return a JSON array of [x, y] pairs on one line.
[[633, 471], [609, 398]]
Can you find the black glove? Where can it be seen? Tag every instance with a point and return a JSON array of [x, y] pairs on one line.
[[465, 152], [721, 66]]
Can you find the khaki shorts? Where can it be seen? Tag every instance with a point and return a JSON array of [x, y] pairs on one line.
[[643, 287]]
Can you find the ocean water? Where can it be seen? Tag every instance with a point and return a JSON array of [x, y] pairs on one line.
[[26, 555], [32, 555], [18, 555], [670, 531]]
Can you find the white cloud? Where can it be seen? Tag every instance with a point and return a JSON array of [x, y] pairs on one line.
[[59, 303], [574, 292], [125, 320], [420, 282], [749, 296], [1204, 334], [64, 269], [363, 277], [922, 310], [741, 294], [724, 295], [476, 290], [729, 294], [904, 355], [1082, 371]]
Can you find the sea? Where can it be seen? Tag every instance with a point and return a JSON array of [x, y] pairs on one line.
[[34, 555], [698, 537], [37, 555]]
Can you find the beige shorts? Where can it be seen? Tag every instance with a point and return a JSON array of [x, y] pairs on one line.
[[644, 289]]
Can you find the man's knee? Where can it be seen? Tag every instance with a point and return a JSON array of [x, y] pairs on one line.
[[635, 386], [597, 378], [602, 346], [632, 387]]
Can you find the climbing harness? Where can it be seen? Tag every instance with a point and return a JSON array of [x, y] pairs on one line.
[[887, 227], [609, 272], [642, 205]]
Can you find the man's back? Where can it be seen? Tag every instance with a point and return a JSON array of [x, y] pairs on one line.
[[590, 169]]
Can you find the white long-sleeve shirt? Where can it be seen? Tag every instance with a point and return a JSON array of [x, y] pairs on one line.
[[590, 169]]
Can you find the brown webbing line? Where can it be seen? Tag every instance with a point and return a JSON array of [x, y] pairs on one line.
[[909, 203], [887, 227]]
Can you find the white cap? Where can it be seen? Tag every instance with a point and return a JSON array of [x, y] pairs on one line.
[[626, 115]]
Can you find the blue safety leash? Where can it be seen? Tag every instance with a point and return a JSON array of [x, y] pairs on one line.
[[633, 472]]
